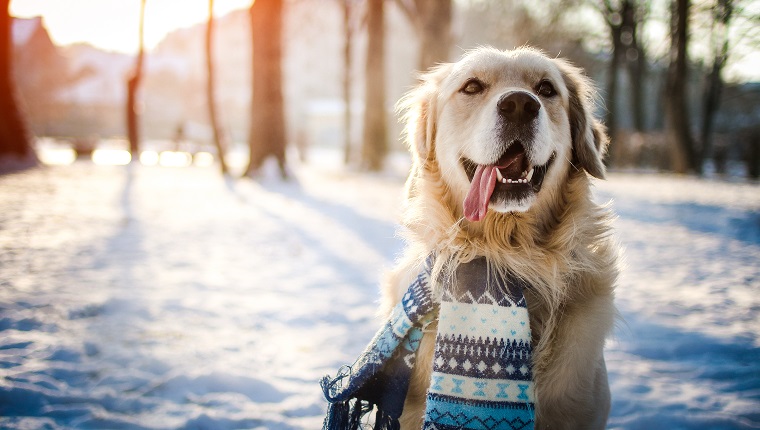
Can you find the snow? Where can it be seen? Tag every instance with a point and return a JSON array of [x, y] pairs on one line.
[[147, 297]]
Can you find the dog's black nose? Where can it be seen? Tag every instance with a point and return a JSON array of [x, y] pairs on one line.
[[518, 107]]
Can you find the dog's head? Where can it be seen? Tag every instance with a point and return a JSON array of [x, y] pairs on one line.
[[502, 129]]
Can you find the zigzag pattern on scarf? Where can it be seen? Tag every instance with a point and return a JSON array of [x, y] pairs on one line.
[[458, 417]]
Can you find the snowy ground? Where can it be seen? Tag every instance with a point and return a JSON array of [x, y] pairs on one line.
[[153, 297]]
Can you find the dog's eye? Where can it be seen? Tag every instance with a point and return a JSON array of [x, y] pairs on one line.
[[472, 86], [546, 89]]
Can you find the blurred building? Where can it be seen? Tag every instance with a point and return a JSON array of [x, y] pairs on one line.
[[39, 70], [69, 91]]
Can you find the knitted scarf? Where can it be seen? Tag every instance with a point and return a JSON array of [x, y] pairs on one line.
[[482, 377]]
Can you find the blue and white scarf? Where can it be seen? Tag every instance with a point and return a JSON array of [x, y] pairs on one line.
[[482, 376]]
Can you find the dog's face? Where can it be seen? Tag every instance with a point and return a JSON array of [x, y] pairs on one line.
[[504, 128]]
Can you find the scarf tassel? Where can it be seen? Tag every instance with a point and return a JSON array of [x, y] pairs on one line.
[[383, 421], [348, 415], [337, 416]]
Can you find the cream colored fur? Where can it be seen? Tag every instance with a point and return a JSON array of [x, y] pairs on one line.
[[561, 244]]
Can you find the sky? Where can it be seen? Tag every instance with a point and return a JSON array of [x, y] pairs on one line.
[[116, 25]]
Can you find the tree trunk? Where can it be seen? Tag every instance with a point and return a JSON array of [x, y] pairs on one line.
[[375, 141], [210, 87], [267, 133], [133, 85], [676, 113], [434, 32], [623, 23], [752, 152], [714, 87], [711, 100], [636, 60], [15, 140], [347, 48], [637, 70], [612, 84]]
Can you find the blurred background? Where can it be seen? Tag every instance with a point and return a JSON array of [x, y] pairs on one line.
[[157, 272], [679, 80]]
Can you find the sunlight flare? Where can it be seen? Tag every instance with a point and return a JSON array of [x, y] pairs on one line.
[[111, 157]]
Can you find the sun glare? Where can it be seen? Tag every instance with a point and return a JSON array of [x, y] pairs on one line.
[[111, 157], [58, 156], [113, 24]]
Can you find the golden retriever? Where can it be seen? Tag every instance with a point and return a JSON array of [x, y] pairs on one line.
[[504, 144]]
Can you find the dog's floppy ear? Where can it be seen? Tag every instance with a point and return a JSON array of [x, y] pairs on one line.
[[418, 109], [589, 135]]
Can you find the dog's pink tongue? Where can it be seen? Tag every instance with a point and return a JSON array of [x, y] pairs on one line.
[[481, 188]]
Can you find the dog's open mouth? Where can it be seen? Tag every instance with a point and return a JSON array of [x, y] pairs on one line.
[[512, 177]]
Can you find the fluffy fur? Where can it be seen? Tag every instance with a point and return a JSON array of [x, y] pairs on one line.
[[558, 239]]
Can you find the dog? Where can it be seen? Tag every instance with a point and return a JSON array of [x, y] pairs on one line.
[[527, 120]]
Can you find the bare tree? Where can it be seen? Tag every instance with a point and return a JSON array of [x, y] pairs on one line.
[[15, 139], [375, 141], [212, 115], [722, 13], [636, 60], [267, 132], [624, 18], [133, 84], [683, 157], [431, 20]]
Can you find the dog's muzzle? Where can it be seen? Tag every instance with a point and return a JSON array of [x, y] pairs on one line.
[[512, 177]]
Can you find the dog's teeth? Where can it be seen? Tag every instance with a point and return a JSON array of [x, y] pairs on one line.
[[514, 181], [529, 176], [499, 176]]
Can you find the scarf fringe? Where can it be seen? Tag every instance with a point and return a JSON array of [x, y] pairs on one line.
[[348, 415], [384, 421], [337, 416]]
